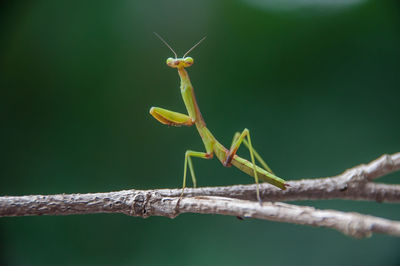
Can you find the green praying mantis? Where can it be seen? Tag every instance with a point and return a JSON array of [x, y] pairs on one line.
[[227, 157]]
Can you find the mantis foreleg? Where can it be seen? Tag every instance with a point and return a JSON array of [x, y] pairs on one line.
[[170, 118]]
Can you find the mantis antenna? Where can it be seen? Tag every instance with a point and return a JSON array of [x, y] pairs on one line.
[[167, 44], [194, 46]]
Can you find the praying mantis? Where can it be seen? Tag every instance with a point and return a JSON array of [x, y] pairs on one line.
[[226, 156]]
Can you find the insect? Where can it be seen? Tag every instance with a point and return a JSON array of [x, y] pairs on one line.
[[227, 157]]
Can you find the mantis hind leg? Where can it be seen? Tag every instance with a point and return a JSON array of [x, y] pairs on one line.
[[256, 154], [188, 161], [237, 141]]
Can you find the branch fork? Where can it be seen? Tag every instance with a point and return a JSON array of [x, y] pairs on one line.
[[239, 200]]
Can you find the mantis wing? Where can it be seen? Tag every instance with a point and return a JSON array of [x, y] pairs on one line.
[[247, 167]]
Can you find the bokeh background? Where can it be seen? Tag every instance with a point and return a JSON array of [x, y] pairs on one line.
[[317, 83]]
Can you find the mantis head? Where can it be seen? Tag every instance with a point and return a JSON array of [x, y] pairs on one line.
[[179, 62]]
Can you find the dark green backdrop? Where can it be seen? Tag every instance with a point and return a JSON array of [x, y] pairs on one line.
[[316, 82]]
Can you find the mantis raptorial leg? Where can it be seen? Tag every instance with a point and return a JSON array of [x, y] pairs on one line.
[[194, 117], [170, 118]]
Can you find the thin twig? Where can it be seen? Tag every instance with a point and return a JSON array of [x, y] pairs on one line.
[[349, 223]]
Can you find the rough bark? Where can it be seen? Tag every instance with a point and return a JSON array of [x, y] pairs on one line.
[[354, 184]]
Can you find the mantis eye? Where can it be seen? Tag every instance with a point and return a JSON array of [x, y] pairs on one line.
[[188, 61], [170, 61]]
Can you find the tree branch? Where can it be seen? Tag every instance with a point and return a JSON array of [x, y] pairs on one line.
[[353, 184], [151, 203]]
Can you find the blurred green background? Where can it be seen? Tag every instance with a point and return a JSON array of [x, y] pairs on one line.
[[316, 82]]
